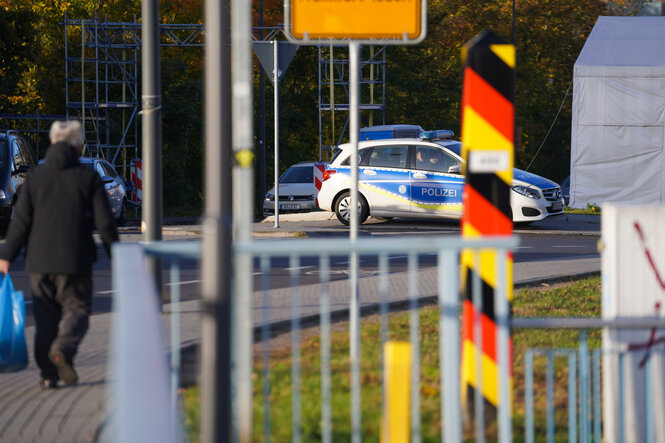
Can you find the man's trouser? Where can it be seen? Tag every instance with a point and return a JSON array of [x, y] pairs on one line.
[[62, 304]]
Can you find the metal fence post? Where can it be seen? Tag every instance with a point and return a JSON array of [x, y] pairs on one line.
[[354, 314], [216, 398], [151, 102]]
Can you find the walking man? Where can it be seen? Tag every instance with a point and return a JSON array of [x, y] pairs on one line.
[[60, 204]]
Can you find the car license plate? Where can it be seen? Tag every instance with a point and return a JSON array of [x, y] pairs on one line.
[[289, 207], [556, 206]]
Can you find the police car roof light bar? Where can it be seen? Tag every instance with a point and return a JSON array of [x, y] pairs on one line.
[[439, 134]]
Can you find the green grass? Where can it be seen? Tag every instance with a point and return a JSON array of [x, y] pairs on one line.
[[591, 209], [571, 299]]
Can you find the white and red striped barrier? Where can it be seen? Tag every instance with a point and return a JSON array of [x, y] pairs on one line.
[[136, 171], [318, 174]]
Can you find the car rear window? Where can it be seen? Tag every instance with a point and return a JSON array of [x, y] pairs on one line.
[[298, 174]]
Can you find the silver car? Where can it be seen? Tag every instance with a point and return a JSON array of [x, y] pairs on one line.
[[297, 190], [114, 185]]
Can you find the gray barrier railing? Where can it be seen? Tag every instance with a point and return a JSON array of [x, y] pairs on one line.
[[584, 367], [381, 285], [373, 289]]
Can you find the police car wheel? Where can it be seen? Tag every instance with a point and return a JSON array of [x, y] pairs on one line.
[[343, 206]]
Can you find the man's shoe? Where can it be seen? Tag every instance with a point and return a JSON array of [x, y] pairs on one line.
[[48, 383], [66, 372]]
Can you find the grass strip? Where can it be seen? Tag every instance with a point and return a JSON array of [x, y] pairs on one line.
[[566, 299]]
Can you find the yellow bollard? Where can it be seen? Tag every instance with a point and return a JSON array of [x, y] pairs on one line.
[[396, 423]]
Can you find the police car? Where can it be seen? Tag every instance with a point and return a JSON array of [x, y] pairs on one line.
[[422, 177]]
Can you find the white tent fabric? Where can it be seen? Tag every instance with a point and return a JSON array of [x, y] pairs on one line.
[[618, 122]]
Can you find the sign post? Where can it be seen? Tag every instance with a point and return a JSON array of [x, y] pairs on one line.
[[275, 60], [327, 22]]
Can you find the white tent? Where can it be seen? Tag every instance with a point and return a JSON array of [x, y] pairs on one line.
[[618, 123]]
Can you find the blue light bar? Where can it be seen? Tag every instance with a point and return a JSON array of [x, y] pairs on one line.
[[439, 134]]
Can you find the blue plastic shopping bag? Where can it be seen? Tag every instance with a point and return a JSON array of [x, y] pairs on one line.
[[13, 350]]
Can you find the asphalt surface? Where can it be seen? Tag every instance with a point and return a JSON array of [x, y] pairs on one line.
[[80, 414]]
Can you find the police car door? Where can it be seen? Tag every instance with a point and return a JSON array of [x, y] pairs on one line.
[[384, 180], [436, 182]]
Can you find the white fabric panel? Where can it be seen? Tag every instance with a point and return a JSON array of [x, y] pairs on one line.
[[617, 164], [627, 45], [618, 118], [620, 101]]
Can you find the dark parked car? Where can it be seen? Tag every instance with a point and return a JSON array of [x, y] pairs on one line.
[[16, 160]]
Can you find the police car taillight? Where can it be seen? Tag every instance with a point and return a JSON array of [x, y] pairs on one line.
[[328, 173]]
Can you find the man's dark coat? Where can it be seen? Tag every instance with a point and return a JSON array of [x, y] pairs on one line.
[[59, 205]]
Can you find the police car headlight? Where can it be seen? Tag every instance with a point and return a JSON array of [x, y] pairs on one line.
[[527, 192], [270, 197]]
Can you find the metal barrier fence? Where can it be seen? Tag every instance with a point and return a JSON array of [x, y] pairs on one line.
[[439, 280], [585, 378], [313, 288]]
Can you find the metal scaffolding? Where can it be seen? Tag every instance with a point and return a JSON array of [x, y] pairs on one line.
[[102, 84], [334, 91], [102, 80], [34, 126], [333, 88]]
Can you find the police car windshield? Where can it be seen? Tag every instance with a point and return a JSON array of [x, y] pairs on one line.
[[298, 174]]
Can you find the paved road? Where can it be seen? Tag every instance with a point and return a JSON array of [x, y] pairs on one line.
[[78, 414]]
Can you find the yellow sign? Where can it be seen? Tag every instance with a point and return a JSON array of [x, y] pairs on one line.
[[355, 19]]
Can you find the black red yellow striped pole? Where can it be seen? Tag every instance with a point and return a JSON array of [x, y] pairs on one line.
[[487, 148]]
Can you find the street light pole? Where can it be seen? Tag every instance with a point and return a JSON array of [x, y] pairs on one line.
[[151, 110], [216, 399]]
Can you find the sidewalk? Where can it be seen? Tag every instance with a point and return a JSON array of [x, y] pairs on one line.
[[78, 414]]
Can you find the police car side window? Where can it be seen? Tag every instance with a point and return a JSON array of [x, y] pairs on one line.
[[433, 159], [392, 156], [362, 158]]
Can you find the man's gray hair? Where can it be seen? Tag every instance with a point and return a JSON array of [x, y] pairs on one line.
[[69, 131]]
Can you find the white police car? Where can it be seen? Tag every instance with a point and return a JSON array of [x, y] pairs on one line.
[[422, 178]]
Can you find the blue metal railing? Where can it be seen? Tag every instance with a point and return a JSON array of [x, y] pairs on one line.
[[318, 301]]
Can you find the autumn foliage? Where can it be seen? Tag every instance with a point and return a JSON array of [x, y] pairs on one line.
[[423, 81]]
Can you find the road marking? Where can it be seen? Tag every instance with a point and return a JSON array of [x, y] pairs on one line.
[[524, 247], [187, 282], [297, 268], [572, 246], [391, 257]]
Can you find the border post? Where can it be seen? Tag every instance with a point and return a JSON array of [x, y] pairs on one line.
[[487, 148]]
